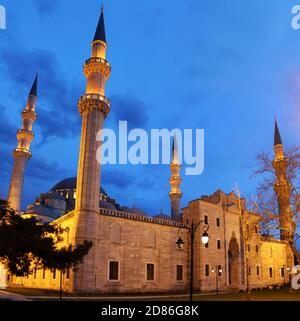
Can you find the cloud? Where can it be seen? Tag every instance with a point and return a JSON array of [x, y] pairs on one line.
[[57, 96], [117, 178], [129, 108], [45, 7], [41, 169], [7, 129]]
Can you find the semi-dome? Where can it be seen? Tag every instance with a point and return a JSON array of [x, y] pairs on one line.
[[70, 183], [41, 211], [108, 205]]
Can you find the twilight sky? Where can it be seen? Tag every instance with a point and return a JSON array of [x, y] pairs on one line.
[[225, 66]]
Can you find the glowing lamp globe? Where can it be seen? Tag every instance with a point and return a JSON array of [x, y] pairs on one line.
[[205, 238]]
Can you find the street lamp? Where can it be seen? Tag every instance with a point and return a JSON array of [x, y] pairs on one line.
[[218, 271], [180, 243]]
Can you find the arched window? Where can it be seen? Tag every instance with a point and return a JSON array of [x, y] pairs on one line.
[[151, 238], [115, 233]]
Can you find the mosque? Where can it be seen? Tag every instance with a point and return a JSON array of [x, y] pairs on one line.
[[132, 251]]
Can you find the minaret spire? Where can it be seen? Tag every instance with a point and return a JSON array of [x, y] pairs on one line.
[[282, 188], [22, 153], [175, 181], [33, 91], [277, 137], [100, 31], [93, 107]]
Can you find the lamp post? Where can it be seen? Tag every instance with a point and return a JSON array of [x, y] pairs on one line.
[[205, 238], [217, 271]]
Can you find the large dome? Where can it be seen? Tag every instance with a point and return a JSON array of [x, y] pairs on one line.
[[70, 183]]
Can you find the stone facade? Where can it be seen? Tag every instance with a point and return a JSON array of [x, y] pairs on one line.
[[133, 241]]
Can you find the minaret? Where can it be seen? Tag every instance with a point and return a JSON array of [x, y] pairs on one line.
[[93, 107], [175, 180], [282, 188], [22, 153]]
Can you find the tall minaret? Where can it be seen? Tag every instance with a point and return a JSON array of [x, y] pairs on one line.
[[175, 180], [93, 108], [282, 188], [22, 153]]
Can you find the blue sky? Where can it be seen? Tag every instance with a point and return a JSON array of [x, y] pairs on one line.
[[225, 66]]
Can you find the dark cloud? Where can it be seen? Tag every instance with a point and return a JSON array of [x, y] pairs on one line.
[[129, 108], [37, 167], [117, 178], [45, 7], [57, 96], [7, 129], [41, 169]]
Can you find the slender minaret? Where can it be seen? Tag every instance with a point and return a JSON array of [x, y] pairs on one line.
[[282, 188], [22, 153], [175, 180], [93, 108]]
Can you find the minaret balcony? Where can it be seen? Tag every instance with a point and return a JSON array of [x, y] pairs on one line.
[[175, 165], [97, 65], [94, 102], [22, 153], [28, 114], [175, 179], [25, 134], [175, 194]]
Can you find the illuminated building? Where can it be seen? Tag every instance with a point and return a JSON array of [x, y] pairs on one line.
[[135, 252]]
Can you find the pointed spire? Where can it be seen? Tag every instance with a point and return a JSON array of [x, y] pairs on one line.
[[174, 150], [33, 91], [100, 32], [277, 138]]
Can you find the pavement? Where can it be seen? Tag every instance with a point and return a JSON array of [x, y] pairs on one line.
[[6, 296], [121, 298]]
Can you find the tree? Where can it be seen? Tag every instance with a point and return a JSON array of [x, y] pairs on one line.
[[66, 258], [266, 202], [25, 243]]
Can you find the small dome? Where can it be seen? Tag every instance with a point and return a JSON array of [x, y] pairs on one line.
[[133, 210], [163, 216], [70, 183], [104, 204]]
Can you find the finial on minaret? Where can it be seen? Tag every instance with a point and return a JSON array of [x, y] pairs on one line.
[[33, 91], [100, 31], [277, 137]]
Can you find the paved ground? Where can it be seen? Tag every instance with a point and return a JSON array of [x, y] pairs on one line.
[[8, 296], [264, 295]]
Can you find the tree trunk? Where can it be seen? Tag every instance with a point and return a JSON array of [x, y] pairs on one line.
[[60, 285], [296, 254]]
